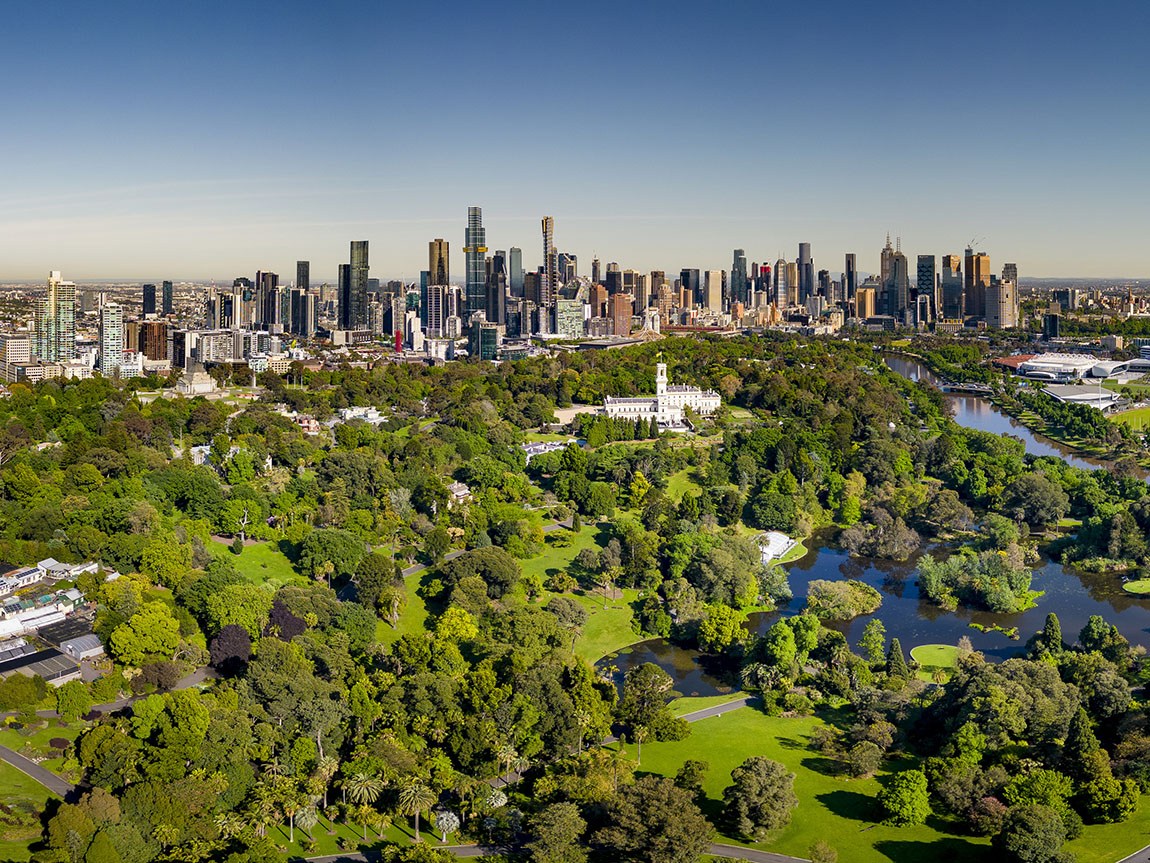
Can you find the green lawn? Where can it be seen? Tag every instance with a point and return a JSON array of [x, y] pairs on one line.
[[691, 703], [263, 563], [842, 811], [25, 799], [1137, 418], [608, 628], [412, 619], [545, 437], [1141, 586], [935, 656], [680, 483], [555, 558], [35, 744]]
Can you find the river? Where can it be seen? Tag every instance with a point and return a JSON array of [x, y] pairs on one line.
[[1073, 596]]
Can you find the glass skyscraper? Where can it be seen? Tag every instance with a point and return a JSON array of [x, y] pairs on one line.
[[475, 253]]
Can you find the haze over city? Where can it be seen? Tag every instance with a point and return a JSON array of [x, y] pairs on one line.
[[208, 141]]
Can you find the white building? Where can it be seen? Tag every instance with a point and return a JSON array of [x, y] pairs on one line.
[[1058, 367], [111, 339], [668, 404]]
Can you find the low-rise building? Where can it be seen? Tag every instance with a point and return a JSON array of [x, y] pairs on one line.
[[668, 406]]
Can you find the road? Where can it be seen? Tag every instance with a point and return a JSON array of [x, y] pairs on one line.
[[47, 778]]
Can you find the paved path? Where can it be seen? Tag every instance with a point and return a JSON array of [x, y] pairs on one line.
[[1141, 856], [47, 778]]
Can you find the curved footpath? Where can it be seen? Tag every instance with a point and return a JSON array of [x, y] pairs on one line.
[[56, 784]]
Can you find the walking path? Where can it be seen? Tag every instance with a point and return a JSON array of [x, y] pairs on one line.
[[47, 778]]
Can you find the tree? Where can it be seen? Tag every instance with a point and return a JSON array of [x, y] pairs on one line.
[[149, 634], [373, 575], [446, 822], [231, 649], [1035, 500], [364, 789], [414, 797], [896, 660], [652, 821], [691, 777], [343, 550], [73, 700], [873, 641], [1032, 834], [1047, 641], [721, 628], [906, 798], [557, 831], [821, 852], [644, 695], [760, 798], [863, 758], [246, 605]]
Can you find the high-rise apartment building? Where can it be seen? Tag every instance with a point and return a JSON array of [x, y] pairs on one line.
[[926, 279], [304, 313], [112, 338], [359, 277], [596, 270], [976, 281], [568, 268], [168, 298], [1010, 273], [865, 303], [439, 262], [149, 309], [475, 257], [496, 292], [850, 276], [621, 310], [782, 292], [897, 287], [1001, 305], [549, 287], [55, 321]]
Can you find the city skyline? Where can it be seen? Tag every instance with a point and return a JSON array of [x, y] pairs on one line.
[[152, 151]]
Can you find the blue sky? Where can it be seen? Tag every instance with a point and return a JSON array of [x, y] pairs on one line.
[[211, 139]]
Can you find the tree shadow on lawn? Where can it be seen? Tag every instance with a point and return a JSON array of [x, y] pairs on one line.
[[853, 805], [825, 766], [946, 850]]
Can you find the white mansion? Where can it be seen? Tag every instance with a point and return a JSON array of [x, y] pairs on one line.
[[666, 406]]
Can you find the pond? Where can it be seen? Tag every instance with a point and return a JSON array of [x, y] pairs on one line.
[[1072, 595]]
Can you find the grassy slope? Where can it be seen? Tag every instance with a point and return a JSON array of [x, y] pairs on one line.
[[19, 791], [414, 615], [263, 563]]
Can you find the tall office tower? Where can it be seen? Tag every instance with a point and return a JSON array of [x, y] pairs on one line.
[[620, 314], [614, 282], [168, 298], [825, 286], [515, 271], [359, 277], [568, 267], [304, 313], [806, 273], [782, 291], [55, 321], [343, 299], [152, 340], [738, 280], [1010, 274], [927, 278], [642, 292], [495, 304], [112, 338], [303, 275], [897, 287], [149, 300], [952, 293], [1001, 305], [531, 287], [976, 281], [268, 291], [475, 253], [714, 291], [595, 270], [549, 289], [886, 257], [689, 283], [598, 300], [630, 278], [764, 294], [439, 262], [850, 277], [658, 279]]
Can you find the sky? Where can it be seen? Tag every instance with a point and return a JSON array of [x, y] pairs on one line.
[[211, 139]]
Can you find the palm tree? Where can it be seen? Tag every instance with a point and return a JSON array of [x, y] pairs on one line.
[[639, 734], [506, 755], [307, 819], [363, 789], [229, 824], [413, 799], [325, 771]]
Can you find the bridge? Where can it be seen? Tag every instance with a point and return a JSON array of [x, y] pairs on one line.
[[976, 389]]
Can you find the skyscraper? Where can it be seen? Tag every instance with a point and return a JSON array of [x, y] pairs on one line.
[[303, 275], [55, 321], [850, 277], [1001, 305], [897, 286], [1010, 273], [738, 280], [149, 301], [359, 276], [496, 291], [621, 310], [549, 287], [568, 267], [885, 259], [689, 282], [976, 281], [952, 293], [270, 304], [112, 338], [596, 272], [439, 262], [515, 271], [475, 254], [714, 291], [926, 280], [806, 273], [782, 289], [168, 298], [344, 296], [303, 313]]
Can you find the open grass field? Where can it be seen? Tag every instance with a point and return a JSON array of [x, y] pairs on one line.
[[839, 810], [1138, 418], [412, 619], [35, 745], [1140, 587], [608, 628], [262, 563], [21, 802], [933, 657], [678, 484], [555, 558]]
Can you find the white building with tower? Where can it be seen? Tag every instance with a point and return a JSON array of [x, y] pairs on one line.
[[667, 406]]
